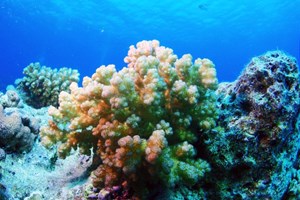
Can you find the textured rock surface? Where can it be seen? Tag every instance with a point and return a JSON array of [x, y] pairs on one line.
[[19, 127], [2, 154], [14, 136], [33, 175], [256, 144], [10, 99]]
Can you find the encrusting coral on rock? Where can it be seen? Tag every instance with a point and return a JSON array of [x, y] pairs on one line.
[[10, 99], [41, 85], [255, 146], [143, 121], [19, 124], [294, 185], [14, 136]]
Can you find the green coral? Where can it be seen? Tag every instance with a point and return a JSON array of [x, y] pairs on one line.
[[178, 166], [143, 121], [41, 85]]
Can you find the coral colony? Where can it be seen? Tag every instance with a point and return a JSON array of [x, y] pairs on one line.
[[163, 128], [41, 85], [142, 121]]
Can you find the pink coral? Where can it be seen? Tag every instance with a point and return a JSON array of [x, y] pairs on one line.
[[137, 117]]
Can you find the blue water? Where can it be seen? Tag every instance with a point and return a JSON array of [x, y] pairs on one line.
[[85, 34]]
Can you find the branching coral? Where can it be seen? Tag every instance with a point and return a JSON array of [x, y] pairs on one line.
[[41, 85], [143, 120]]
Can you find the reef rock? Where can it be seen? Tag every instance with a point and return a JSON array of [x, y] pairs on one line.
[[18, 128], [10, 99], [255, 145], [2, 155]]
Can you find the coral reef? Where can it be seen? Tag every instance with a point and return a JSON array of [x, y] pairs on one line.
[[32, 175], [294, 187], [41, 85], [36, 174], [255, 145], [19, 124], [293, 192], [14, 135], [2, 154], [160, 128], [143, 121], [10, 99], [3, 192]]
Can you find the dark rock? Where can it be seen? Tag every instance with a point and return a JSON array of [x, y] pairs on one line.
[[3, 192], [2, 154], [257, 135]]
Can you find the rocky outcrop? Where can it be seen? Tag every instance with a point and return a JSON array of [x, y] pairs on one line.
[[255, 146]]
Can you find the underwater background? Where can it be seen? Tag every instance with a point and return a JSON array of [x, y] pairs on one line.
[[85, 34], [203, 101]]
